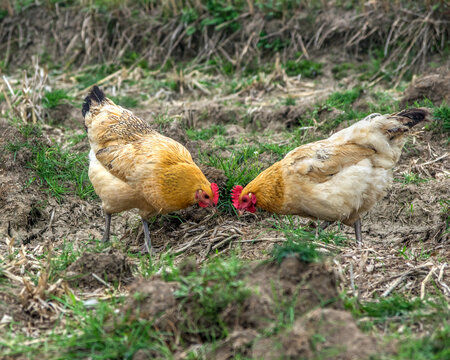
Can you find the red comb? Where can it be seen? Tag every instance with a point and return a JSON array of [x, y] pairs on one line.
[[235, 193], [215, 190]]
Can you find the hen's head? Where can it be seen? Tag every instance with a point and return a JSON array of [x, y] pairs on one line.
[[208, 196], [243, 201]]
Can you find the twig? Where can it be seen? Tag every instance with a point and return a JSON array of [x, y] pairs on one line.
[[223, 242], [352, 280], [424, 282], [96, 277], [9, 86], [393, 286], [433, 161], [263, 239]]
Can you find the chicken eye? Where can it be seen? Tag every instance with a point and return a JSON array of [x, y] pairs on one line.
[[206, 196], [244, 200]]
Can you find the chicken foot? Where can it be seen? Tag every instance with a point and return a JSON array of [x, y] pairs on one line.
[[107, 227], [148, 243], [356, 225], [358, 233]]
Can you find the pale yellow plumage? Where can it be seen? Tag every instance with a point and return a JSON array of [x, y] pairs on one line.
[[339, 178]]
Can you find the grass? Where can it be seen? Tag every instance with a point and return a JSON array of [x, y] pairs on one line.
[[54, 98], [62, 171], [91, 75], [411, 178], [208, 292], [442, 116], [434, 347], [306, 68], [59, 170], [340, 71], [303, 249], [205, 134], [104, 333], [240, 168]]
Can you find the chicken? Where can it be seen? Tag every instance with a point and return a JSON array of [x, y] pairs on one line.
[[133, 166], [336, 179]]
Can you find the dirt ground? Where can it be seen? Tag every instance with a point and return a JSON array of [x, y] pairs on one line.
[[410, 217]]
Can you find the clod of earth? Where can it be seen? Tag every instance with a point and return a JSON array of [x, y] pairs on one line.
[[93, 270]]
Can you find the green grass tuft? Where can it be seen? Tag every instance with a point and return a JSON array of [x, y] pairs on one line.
[[412, 178], [62, 171], [54, 98], [303, 248], [205, 134], [205, 293], [442, 114], [343, 100], [240, 168], [306, 68]]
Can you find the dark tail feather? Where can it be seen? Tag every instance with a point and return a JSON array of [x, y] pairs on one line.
[[413, 116], [95, 95]]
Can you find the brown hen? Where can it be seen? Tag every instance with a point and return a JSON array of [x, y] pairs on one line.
[[133, 166]]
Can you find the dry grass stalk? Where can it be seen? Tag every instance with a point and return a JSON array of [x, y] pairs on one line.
[[26, 103], [88, 37]]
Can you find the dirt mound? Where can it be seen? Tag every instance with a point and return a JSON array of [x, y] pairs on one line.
[[66, 115], [277, 119], [434, 87], [322, 333], [111, 267], [305, 286], [19, 202], [153, 299]]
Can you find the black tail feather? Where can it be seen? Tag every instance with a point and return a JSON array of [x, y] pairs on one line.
[[95, 95], [415, 116]]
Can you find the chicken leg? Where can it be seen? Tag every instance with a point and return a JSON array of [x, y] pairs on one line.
[[148, 243], [107, 227], [358, 233]]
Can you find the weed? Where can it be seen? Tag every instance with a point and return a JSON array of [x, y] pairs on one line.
[[240, 168], [208, 292], [411, 178], [306, 68], [222, 16], [343, 100], [53, 98], [305, 250], [442, 114], [61, 170], [289, 101], [205, 134]]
